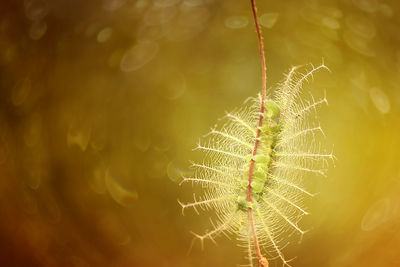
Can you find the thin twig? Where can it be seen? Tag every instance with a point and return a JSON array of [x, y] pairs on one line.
[[262, 261]]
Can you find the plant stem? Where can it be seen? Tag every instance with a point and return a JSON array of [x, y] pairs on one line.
[[262, 55], [262, 261]]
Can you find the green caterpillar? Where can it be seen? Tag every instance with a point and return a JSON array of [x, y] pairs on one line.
[[268, 137], [286, 150]]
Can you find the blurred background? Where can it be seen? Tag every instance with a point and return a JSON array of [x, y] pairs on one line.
[[101, 103]]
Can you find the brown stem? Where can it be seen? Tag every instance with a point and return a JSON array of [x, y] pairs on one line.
[[262, 55], [262, 261]]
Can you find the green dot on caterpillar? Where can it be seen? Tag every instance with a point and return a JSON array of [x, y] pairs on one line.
[[272, 110], [261, 158], [257, 186], [242, 203]]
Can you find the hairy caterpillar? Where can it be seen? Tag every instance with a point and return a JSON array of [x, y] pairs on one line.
[[284, 154]]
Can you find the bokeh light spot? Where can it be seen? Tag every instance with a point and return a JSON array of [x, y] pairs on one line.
[[386, 10], [376, 215], [36, 9], [79, 134], [331, 23], [112, 5], [190, 22], [236, 22], [268, 20], [193, 3], [37, 30], [165, 3], [380, 100], [138, 56], [174, 174], [358, 43], [369, 6], [104, 35], [159, 16], [361, 26], [119, 194]]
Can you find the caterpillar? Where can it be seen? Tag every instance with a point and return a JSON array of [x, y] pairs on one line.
[[286, 151]]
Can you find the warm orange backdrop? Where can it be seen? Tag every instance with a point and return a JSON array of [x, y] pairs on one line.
[[101, 103]]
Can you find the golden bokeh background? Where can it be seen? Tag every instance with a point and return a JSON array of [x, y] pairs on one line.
[[102, 102]]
